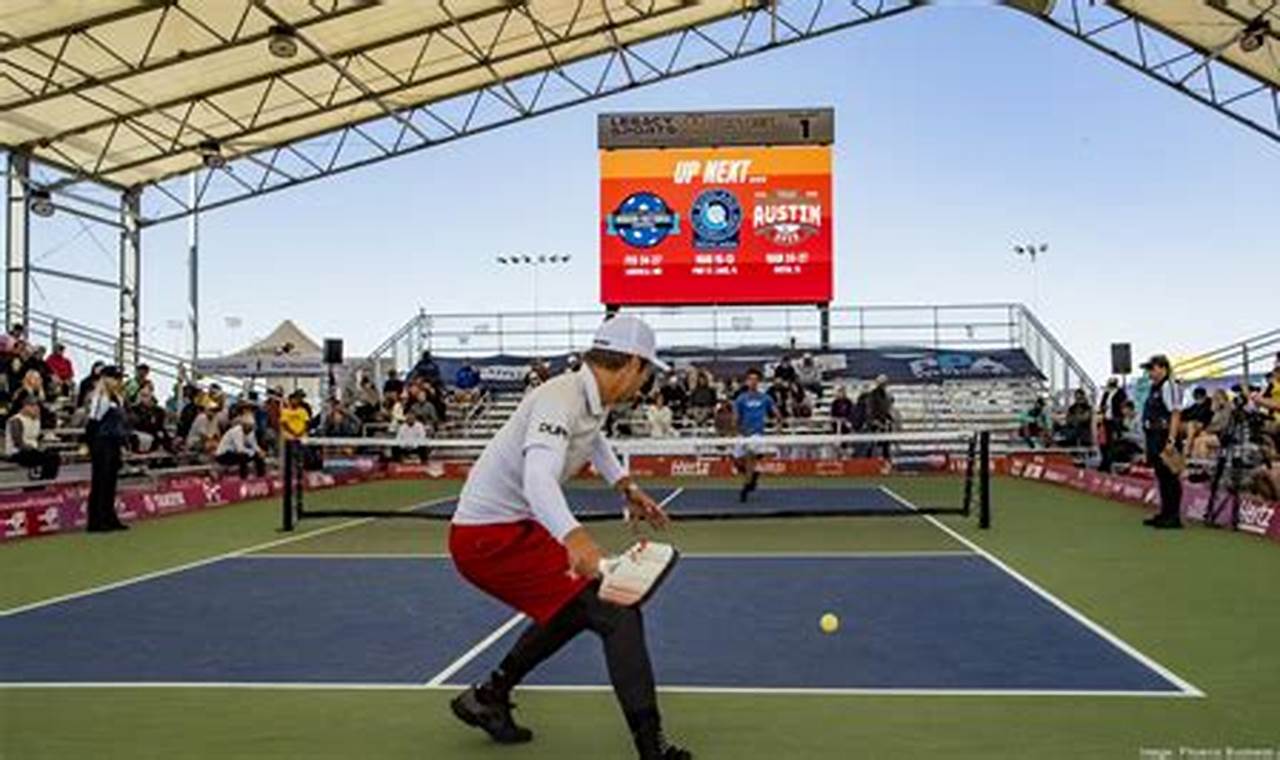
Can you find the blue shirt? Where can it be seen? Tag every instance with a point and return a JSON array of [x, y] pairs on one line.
[[753, 410]]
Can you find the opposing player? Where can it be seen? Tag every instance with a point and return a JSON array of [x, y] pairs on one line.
[[753, 408], [514, 537]]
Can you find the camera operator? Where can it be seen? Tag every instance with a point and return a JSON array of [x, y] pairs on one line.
[[1161, 421]]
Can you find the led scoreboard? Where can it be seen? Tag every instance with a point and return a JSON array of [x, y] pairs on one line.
[[715, 208]]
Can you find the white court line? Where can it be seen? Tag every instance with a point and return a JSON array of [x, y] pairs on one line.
[[597, 688], [200, 562], [474, 652], [1187, 687], [924, 553]]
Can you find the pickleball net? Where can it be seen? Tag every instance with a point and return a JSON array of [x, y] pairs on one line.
[[696, 478]]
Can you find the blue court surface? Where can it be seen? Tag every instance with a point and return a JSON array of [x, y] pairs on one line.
[[596, 503], [941, 621]]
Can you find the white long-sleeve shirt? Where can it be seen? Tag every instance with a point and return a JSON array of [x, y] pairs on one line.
[[234, 441], [554, 432]]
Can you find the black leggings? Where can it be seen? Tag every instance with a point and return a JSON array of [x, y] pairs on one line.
[[621, 629]]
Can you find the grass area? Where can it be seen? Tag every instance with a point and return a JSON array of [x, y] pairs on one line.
[[1205, 603]]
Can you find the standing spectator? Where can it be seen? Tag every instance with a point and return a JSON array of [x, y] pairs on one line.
[[842, 411], [702, 399], [89, 383], [22, 442], [60, 369], [1162, 423], [239, 447], [1111, 411], [295, 418], [659, 417], [809, 376], [109, 433]]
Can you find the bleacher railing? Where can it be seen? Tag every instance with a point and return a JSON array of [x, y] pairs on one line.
[[1248, 359], [958, 326]]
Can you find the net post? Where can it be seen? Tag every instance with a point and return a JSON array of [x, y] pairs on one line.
[[984, 480], [967, 506], [286, 519]]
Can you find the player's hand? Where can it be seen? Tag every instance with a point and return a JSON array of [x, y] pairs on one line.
[[584, 554], [645, 509]]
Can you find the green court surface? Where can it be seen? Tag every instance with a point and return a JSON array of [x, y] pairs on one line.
[[1203, 603]]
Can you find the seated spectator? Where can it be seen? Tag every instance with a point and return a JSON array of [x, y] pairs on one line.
[[8, 341], [466, 381], [809, 375], [89, 384], [420, 405], [337, 423], [1268, 401], [880, 406], [60, 370], [136, 383], [784, 372], [702, 399], [148, 421], [202, 436], [1034, 425], [726, 419], [295, 417], [239, 448], [1204, 445], [780, 392], [800, 406], [23, 445], [1077, 427], [660, 418], [426, 369], [367, 400], [411, 431], [674, 396], [1129, 446], [393, 384], [842, 412]]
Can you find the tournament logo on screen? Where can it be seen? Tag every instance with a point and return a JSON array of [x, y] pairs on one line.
[[787, 217], [643, 220], [716, 218]]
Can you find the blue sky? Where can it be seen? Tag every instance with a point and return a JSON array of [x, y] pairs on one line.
[[960, 131]]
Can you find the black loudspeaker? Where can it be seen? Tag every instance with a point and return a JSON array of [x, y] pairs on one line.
[[333, 350], [1121, 358]]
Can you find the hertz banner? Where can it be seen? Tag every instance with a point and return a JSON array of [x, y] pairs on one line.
[[725, 225]]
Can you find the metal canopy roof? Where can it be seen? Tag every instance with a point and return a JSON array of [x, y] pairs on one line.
[[133, 92]]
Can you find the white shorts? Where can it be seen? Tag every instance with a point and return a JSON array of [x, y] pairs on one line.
[[748, 448]]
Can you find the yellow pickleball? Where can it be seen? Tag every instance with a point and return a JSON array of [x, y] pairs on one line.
[[829, 623]]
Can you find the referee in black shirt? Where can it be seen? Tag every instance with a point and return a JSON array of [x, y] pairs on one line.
[[107, 431], [1162, 422]]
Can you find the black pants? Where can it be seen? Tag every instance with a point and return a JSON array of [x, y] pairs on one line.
[[105, 459], [1170, 483], [241, 461], [47, 462], [621, 629]]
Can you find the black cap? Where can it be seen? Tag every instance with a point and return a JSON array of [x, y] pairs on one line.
[[1159, 360], [112, 370]]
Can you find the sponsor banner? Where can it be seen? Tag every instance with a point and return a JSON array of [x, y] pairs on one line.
[[725, 225], [1261, 518], [310, 365]]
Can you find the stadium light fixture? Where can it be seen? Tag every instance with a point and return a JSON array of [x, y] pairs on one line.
[[211, 154], [283, 42], [1254, 35], [41, 202]]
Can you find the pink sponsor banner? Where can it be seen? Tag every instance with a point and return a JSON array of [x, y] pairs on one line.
[[1256, 516]]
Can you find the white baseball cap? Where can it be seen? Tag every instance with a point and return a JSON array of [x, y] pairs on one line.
[[629, 334]]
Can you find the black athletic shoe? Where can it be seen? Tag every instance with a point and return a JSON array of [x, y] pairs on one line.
[[1151, 521], [1167, 523], [656, 747], [491, 713]]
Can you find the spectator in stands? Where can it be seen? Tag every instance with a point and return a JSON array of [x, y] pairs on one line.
[[412, 431], [89, 384], [1077, 427], [1268, 401], [393, 384], [780, 392], [809, 376], [239, 446], [1205, 445], [842, 412], [800, 406], [1034, 424], [420, 405], [1111, 414], [702, 399], [367, 399], [135, 384], [337, 423], [674, 395], [466, 381], [32, 386], [202, 435], [784, 371], [726, 420], [1162, 424], [880, 406], [23, 445], [60, 370], [660, 418], [426, 368], [148, 422], [188, 412], [1198, 414], [9, 341], [1128, 445], [573, 363]]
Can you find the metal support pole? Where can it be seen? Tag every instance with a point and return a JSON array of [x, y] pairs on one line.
[[824, 326], [130, 277], [1244, 365], [193, 271], [17, 281], [984, 480]]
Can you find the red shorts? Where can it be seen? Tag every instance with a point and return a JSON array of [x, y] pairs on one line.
[[518, 563]]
